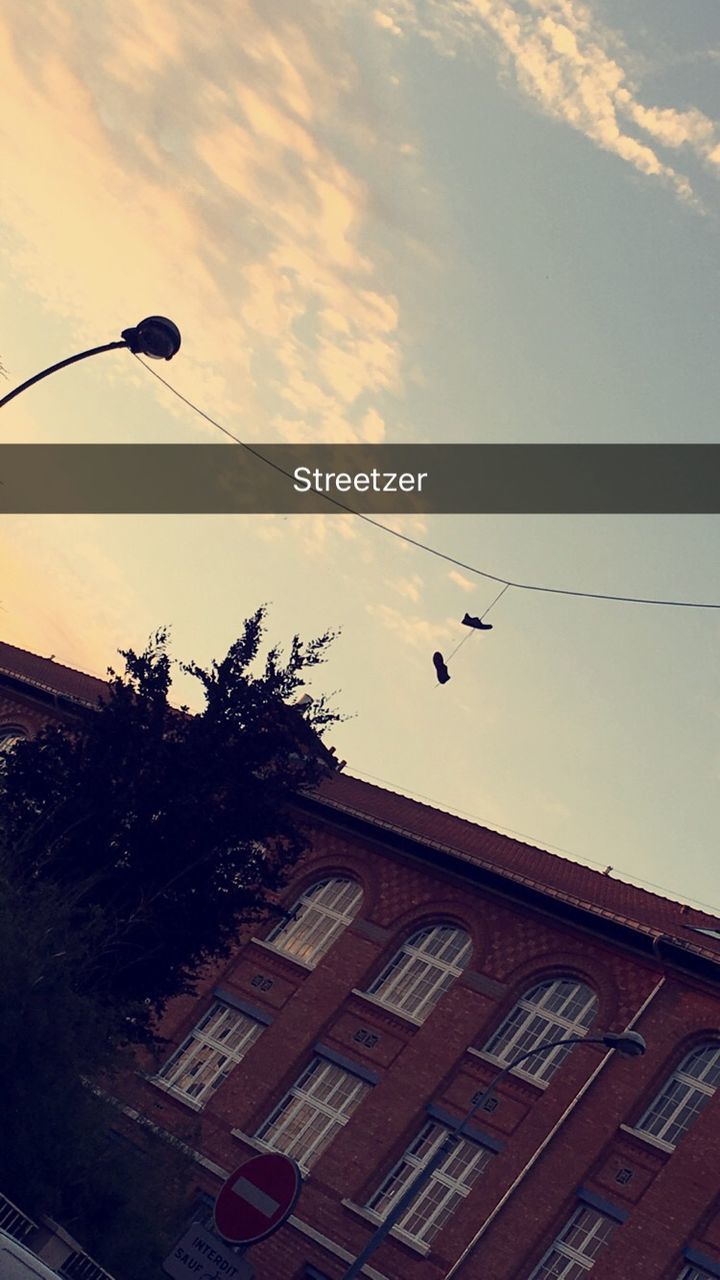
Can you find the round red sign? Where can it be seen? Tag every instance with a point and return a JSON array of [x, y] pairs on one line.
[[257, 1198]]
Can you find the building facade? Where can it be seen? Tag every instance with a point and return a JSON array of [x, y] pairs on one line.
[[420, 954]]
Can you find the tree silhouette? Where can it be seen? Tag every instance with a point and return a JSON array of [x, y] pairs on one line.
[[170, 830]]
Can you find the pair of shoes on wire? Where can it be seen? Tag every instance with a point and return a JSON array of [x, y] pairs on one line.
[[440, 665]]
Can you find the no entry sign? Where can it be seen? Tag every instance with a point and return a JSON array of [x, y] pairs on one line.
[[257, 1198]]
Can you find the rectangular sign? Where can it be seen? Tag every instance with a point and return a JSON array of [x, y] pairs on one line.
[[461, 479], [200, 1255]]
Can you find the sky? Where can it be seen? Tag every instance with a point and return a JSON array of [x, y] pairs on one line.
[[472, 220]]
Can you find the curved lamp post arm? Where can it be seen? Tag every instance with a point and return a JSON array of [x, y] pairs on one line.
[[82, 355], [155, 336], [452, 1138]]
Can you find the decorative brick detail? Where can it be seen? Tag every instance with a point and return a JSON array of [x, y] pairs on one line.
[[262, 983], [374, 932], [257, 976], [369, 1038], [509, 1109], [625, 1158], [366, 1037], [480, 982]]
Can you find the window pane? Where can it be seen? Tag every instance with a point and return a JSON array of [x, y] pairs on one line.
[[587, 1232], [683, 1096], [221, 1039], [703, 1065], [447, 1187], [554, 1010], [318, 918], [9, 735], [573, 1253], [309, 1116], [558, 1267], [423, 969]]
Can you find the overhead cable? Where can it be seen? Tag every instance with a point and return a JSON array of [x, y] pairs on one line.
[[423, 546]]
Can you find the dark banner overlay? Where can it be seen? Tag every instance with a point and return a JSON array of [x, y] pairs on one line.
[[643, 479]]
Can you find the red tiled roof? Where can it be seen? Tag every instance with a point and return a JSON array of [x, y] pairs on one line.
[[50, 676], [524, 863], [559, 877]]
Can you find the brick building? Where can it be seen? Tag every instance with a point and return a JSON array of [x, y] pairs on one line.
[[422, 953]]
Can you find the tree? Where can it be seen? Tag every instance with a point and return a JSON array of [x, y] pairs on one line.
[[62, 1152], [170, 829], [135, 842]]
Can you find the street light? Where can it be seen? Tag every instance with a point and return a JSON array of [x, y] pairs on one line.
[[630, 1044], [156, 337]]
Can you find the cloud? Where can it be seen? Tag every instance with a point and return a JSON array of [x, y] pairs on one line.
[[189, 164], [414, 631], [411, 587], [567, 62], [50, 574], [386, 22], [461, 581], [372, 427]]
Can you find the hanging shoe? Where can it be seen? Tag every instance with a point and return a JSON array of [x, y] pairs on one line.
[[441, 670], [477, 623]]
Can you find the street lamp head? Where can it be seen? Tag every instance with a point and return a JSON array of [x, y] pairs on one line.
[[156, 337], [629, 1043]]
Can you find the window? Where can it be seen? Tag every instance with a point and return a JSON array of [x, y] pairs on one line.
[[9, 735], [574, 1251], [221, 1039], [422, 970], [318, 918], [683, 1096], [694, 1273], [441, 1195], [551, 1011], [310, 1115]]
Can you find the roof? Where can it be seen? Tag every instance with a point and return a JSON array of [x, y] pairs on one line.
[[560, 878], [48, 676]]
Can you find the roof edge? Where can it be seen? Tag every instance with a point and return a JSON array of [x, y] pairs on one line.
[[651, 938]]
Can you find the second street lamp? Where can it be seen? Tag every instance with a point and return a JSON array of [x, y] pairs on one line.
[[156, 337], [629, 1044]]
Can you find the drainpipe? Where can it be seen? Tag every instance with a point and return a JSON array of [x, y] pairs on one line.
[[470, 1248]]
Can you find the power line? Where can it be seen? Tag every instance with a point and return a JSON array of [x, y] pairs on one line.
[[467, 636], [423, 546]]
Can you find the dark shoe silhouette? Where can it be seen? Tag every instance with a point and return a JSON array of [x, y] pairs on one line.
[[477, 623], [441, 670]]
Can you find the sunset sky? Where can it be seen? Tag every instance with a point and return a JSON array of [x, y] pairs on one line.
[[471, 220]]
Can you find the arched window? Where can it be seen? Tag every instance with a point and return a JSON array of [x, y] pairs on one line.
[[9, 735], [318, 918], [683, 1096], [423, 969], [553, 1010]]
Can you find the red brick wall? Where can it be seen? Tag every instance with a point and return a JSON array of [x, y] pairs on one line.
[[672, 1200], [23, 712]]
